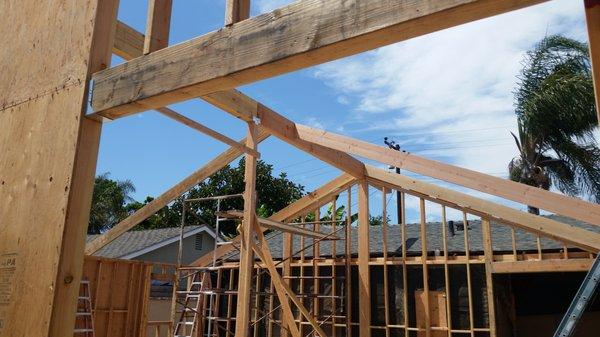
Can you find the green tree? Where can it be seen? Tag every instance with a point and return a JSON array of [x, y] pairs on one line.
[[556, 116], [273, 193], [109, 201]]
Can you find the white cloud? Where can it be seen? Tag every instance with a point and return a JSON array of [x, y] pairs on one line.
[[264, 6], [457, 79], [314, 122]]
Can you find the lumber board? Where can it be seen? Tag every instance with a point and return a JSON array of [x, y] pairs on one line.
[[575, 236], [364, 254], [242, 321], [297, 36], [46, 185], [592, 15], [280, 226], [291, 211], [247, 109], [158, 25], [236, 11], [527, 195], [206, 130], [542, 266], [129, 44], [161, 201], [264, 254]]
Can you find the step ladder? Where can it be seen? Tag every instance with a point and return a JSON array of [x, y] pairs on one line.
[[84, 321], [586, 293], [191, 316]]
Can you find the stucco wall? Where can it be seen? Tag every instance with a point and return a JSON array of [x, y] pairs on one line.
[[168, 253]]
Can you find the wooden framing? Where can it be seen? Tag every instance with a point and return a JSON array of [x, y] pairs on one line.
[[206, 130], [280, 226], [236, 11], [553, 202], [157, 25], [364, 285], [247, 234], [295, 209], [161, 201], [592, 15], [43, 273], [584, 239], [58, 178], [299, 44]]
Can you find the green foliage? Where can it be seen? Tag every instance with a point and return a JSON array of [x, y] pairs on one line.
[[273, 194], [109, 203], [556, 113]]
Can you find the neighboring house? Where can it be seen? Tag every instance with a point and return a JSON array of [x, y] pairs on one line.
[[160, 245]]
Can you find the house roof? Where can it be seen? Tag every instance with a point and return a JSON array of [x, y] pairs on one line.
[[501, 239], [136, 243]]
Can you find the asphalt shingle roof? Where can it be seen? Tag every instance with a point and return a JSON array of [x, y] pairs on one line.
[[501, 239], [133, 241]]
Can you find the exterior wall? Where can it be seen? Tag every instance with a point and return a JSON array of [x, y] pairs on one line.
[[168, 253]]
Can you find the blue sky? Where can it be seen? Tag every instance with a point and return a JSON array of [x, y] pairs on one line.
[[445, 96]]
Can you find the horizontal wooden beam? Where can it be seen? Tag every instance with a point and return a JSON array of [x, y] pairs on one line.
[[528, 195], [155, 205], [542, 266], [300, 35], [129, 44], [207, 131], [280, 226], [543, 226], [293, 210]]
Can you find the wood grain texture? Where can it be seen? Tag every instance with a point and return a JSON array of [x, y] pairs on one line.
[[364, 283], [158, 25], [297, 36], [575, 236], [48, 157], [236, 11], [527, 195], [242, 320]]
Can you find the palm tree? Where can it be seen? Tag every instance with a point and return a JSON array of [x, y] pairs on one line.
[[556, 116], [109, 202]]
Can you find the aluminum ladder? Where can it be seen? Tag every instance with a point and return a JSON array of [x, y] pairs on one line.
[[586, 293]]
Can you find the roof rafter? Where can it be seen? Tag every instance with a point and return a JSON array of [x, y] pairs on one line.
[[549, 201]]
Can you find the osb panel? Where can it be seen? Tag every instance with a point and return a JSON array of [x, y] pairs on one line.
[[119, 295], [43, 67]]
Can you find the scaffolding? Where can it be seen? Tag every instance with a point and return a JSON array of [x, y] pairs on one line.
[[197, 290]]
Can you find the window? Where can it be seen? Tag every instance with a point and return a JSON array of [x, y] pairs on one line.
[[198, 242]]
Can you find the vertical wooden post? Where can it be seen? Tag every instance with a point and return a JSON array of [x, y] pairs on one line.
[[364, 285], [425, 269], [446, 269], [236, 11], [158, 25], [285, 272], [592, 14], [386, 295], [247, 233], [488, 252], [348, 268]]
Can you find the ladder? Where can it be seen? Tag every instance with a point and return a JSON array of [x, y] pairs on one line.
[[84, 322], [586, 293], [190, 322]]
